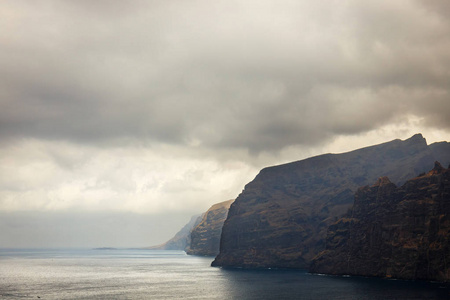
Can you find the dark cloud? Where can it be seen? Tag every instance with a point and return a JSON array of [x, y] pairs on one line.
[[256, 76], [440, 7], [113, 109]]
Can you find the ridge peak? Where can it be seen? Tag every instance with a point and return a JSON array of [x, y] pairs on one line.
[[382, 181]]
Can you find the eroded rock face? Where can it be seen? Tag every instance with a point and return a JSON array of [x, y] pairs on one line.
[[205, 237], [399, 232], [282, 216]]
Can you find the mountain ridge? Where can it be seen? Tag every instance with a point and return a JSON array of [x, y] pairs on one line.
[[281, 217]]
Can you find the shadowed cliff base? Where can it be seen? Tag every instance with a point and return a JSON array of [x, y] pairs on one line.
[[393, 232], [281, 218]]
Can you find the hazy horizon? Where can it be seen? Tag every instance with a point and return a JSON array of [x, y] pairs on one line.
[[122, 119]]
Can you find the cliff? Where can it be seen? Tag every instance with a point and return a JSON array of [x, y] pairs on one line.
[[399, 232], [201, 236], [281, 217], [205, 237], [182, 239]]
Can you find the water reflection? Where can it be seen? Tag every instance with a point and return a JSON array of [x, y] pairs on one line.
[[138, 274], [292, 284]]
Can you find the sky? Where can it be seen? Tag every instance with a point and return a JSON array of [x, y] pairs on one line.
[[120, 120]]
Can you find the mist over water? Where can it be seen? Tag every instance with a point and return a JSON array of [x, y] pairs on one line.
[[150, 274]]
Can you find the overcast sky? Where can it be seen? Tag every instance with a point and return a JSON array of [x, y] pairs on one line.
[[121, 119]]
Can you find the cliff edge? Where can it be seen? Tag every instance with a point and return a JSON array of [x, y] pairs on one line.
[[281, 217]]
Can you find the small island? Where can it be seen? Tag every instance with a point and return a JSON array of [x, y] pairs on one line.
[[105, 248]]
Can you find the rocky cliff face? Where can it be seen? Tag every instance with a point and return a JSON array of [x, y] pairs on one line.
[[182, 239], [201, 236], [399, 232], [282, 216], [205, 237]]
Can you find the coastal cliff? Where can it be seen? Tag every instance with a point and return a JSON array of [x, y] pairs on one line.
[[205, 237], [182, 239], [394, 232], [201, 236], [282, 216]]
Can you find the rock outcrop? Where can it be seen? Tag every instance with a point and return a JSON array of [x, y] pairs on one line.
[[395, 232], [282, 216], [205, 237], [182, 239]]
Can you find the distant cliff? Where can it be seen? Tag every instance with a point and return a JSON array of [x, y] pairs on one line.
[[282, 216], [205, 237], [441, 151], [201, 236], [182, 239], [399, 232]]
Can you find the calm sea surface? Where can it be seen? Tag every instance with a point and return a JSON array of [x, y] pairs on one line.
[[150, 274]]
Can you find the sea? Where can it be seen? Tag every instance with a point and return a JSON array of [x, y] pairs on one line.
[[153, 274]]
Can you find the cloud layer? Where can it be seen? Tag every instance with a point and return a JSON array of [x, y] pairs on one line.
[[256, 75], [171, 106]]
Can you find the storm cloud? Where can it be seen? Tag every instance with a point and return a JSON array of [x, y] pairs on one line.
[[156, 106], [258, 75]]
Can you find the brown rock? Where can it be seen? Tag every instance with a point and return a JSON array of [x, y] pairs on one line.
[[395, 232], [205, 237]]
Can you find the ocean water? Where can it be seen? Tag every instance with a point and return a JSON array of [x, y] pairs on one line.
[[151, 274]]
